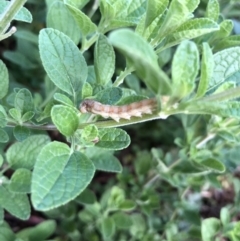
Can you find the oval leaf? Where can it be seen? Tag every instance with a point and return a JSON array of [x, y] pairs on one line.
[[65, 118], [113, 139], [62, 60], [59, 176], [4, 80]]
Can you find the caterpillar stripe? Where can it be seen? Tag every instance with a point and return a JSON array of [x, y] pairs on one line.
[[119, 112]]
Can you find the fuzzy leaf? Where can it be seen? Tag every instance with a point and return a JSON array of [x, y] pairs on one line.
[[141, 55], [207, 66], [4, 138], [4, 80], [21, 181], [191, 29], [107, 227], [154, 9], [21, 133], [23, 101], [104, 60], [213, 10], [40, 232], [84, 23], [22, 15], [226, 67], [60, 17], [63, 99], [209, 228], [24, 154], [15, 203], [109, 96], [113, 139], [213, 164], [62, 60], [59, 176], [185, 68], [65, 118], [107, 162], [122, 220]]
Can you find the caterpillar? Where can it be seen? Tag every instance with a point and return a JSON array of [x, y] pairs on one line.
[[146, 106]]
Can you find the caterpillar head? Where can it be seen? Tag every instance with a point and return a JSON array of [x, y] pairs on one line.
[[86, 106]]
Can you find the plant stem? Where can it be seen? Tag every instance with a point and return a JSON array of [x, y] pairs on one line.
[[87, 44], [93, 8], [123, 75], [7, 16], [223, 96]]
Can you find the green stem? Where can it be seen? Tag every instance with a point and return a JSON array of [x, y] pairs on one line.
[[93, 8], [87, 44], [223, 96], [7, 16], [123, 75]]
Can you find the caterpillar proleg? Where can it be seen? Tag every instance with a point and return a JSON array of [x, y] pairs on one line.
[[119, 112]]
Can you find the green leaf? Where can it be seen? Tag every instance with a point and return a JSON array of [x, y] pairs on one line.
[[225, 216], [138, 229], [4, 79], [1, 160], [191, 29], [16, 114], [27, 35], [77, 3], [89, 133], [185, 68], [223, 60], [107, 227], [3, 119], [21, 181], [65, 119], [63, 99], [154, 9], [177, 14], [86, 197], [21, 132], [60, 18], [40, 232], [107, 162], [209, 228], [213, 9], [142, 56], [23, 154], [84, 23], [127, 205], [213, 164], [27, 116], [122, 13], [15, 203], [87, 90], [104, 60], [207, 66], [226, 27], [228, 42], [3, 136], [1, 219], [113, 139], [122, 220], [19, 59], [62, 60], [109, 96], [22, 15], [23, 101], [59, 176], [6, 234]]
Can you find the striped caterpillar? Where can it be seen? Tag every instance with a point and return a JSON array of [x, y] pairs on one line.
[[119, 112]]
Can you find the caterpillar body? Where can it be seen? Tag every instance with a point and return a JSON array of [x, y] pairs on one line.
[[146, 106]]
